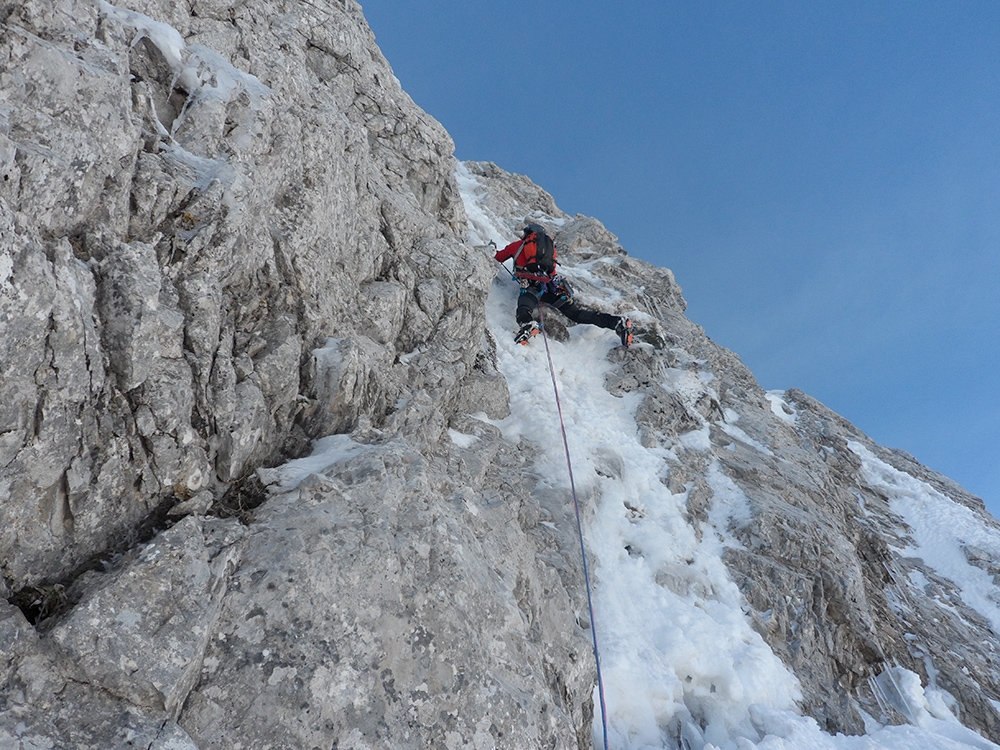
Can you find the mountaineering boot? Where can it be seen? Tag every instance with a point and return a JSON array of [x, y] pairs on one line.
[[528, 330], [624, 330]]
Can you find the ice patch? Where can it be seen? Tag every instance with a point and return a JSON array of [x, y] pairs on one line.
[[928, 709], [697, 440], [166, 38], [327, 452], [686, 384], [329, 356], [918, 580], [461, 439], [202, 72], [213, 76], [484, 225], [201, 171], [730, 506], [6, 267], [735, 432]]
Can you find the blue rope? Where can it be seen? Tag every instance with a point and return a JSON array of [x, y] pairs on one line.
[[579, 528]]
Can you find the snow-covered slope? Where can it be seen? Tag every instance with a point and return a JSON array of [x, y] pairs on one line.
[[682, 662], [273, 474]]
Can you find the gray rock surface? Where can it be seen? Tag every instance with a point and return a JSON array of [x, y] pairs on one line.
[[392, 600], [227, 231], [192, 202], [234, 268]]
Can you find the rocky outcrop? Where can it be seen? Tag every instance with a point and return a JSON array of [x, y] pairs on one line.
[[396, 601], [227, 231], [190, 206], [393, 599], [251, 488]]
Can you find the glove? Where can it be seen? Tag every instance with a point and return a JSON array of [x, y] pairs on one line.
[[562, 288]]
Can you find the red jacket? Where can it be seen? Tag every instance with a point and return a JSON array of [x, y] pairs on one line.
[[513, 251]]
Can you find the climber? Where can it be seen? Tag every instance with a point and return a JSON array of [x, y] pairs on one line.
[[535, 268]]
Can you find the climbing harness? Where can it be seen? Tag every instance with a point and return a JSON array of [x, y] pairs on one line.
[[579, 528]]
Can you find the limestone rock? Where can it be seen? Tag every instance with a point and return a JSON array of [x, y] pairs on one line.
[[192, 201], [137, 655], [383, 598], [234, 261]]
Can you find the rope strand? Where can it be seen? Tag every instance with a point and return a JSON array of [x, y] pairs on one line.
[[579, 528]]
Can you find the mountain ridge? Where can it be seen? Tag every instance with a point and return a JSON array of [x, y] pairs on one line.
[[812, 508], [247, 296]]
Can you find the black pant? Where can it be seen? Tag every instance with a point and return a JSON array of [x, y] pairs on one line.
[[527, 305]]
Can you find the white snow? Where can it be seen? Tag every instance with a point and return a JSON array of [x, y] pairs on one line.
[[677, 650], [213, 76], [166, 38], [941, 530], [461, 439], [780, 407], [483, 223], [6, 266]]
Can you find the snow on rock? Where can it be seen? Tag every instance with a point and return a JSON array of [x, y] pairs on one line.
[[244, 284], [948, 537], [728, 598], [780, 407]]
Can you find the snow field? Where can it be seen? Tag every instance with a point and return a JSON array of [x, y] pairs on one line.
[[676, 647]]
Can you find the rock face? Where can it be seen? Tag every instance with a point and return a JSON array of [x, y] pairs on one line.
[[190, 205], [227, 231], [229, 240]]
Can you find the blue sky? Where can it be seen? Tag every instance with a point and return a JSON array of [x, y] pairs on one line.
[[822, 178]]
